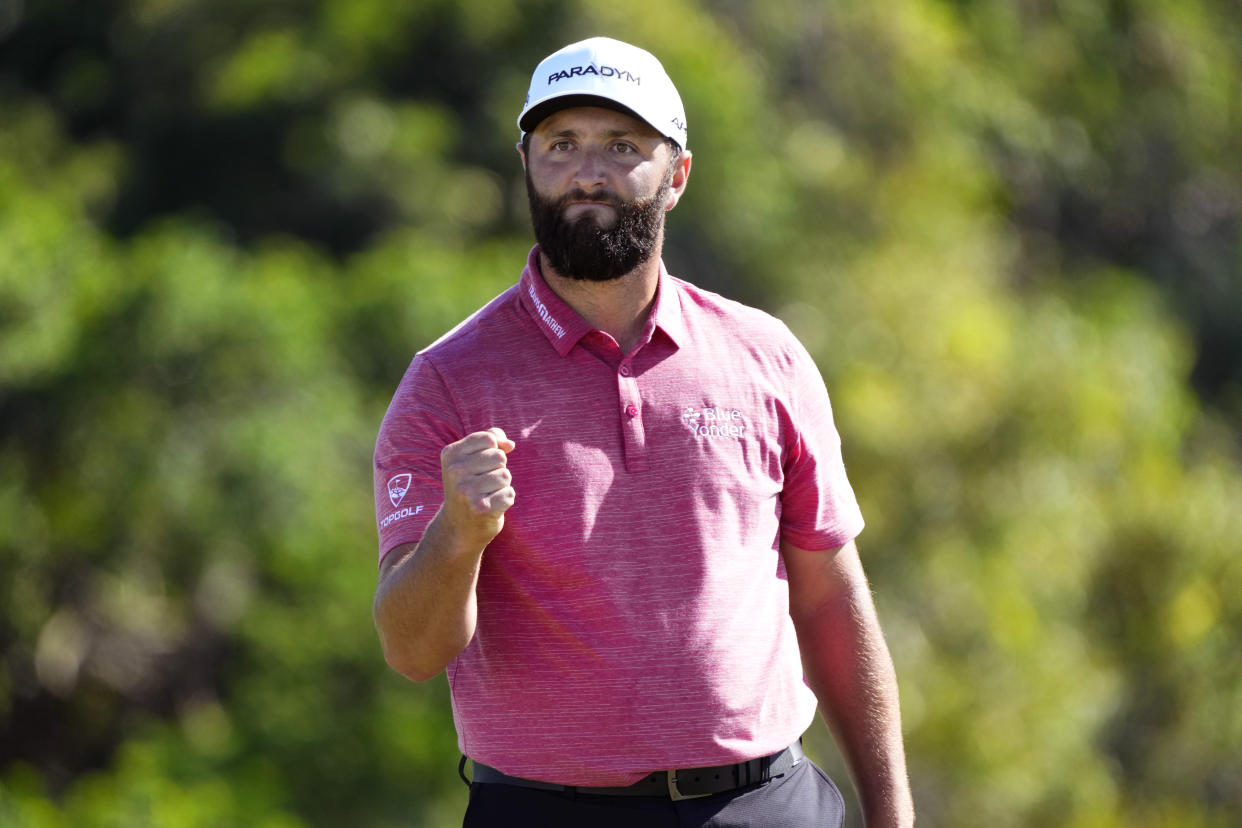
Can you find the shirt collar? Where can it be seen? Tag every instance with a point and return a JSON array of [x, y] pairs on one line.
[[564, 327], [667, 312], [560, 324]]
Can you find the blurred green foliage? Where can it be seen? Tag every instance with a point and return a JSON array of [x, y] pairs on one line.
[[1009, 232]]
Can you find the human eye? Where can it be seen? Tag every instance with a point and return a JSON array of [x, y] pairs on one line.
[[562, 145]]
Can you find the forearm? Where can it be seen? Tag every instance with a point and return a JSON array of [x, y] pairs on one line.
[[425, 608], [849, 668]]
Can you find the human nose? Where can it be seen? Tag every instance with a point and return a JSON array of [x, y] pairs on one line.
[[590, 172]]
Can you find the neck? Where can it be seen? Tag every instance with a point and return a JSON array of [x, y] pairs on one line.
[[619, 307]]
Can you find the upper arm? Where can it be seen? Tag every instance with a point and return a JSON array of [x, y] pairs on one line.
[[395, 556], [819, 508], [818, 577], [407, 477]]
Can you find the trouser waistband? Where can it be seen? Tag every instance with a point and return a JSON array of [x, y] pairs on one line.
[[676, 784]]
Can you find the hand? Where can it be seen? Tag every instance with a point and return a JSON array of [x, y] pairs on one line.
[[477, 484]]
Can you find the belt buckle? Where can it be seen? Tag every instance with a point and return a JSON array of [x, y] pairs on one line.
[[675, 794]]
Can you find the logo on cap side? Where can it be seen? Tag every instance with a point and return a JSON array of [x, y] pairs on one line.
[[590, 69]]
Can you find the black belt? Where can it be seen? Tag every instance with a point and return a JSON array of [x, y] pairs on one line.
[[682, 783]]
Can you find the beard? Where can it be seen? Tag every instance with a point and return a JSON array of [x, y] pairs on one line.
[[584, 250]]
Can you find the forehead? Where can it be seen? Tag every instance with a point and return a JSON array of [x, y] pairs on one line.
[[589, 120]]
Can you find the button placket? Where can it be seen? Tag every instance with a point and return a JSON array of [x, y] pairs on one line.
[[632, 431]]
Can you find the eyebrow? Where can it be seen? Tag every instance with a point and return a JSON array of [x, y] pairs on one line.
[[567, 132]]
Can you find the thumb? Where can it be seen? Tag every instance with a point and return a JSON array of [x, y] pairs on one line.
[[502, 440]]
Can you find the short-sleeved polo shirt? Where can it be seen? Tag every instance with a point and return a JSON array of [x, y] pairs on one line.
[[633, 612]]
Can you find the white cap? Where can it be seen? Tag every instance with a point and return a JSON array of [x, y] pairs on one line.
[[605, 72]]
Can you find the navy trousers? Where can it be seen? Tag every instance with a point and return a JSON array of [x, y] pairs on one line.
[[804, 798]]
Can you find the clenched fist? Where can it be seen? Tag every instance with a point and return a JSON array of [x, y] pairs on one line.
[[478, 488]]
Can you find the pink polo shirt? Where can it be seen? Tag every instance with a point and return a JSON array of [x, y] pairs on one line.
[[633, 612]]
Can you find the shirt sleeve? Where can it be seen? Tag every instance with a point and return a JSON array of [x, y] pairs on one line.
[[818, 506], [421, 420]]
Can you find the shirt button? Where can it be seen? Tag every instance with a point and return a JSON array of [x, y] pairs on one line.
[[631, 411], [625, 370]]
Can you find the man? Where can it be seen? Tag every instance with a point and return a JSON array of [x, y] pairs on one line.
[[626, 642]]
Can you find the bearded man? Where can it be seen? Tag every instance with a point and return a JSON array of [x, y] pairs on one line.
[[643, 636]]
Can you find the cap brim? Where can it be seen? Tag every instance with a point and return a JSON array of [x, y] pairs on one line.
[[548, 106]]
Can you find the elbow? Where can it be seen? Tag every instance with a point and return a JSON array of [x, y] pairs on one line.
[[413, 672], [407, 663], [401, 642], [412, 651], [418, 641]]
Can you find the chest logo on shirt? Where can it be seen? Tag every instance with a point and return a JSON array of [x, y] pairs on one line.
[[714, 422], [398, 485]]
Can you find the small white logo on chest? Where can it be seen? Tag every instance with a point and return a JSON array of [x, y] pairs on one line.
[[714, 422]]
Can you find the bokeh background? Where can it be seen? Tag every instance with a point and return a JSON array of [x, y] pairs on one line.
[[1008, 230]]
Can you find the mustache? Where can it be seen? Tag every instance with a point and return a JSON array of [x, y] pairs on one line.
[[603, 196]]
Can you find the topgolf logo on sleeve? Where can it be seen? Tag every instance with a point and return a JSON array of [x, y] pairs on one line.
[[398, 485]]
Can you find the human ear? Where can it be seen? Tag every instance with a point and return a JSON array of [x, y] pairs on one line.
[[681, 175]]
